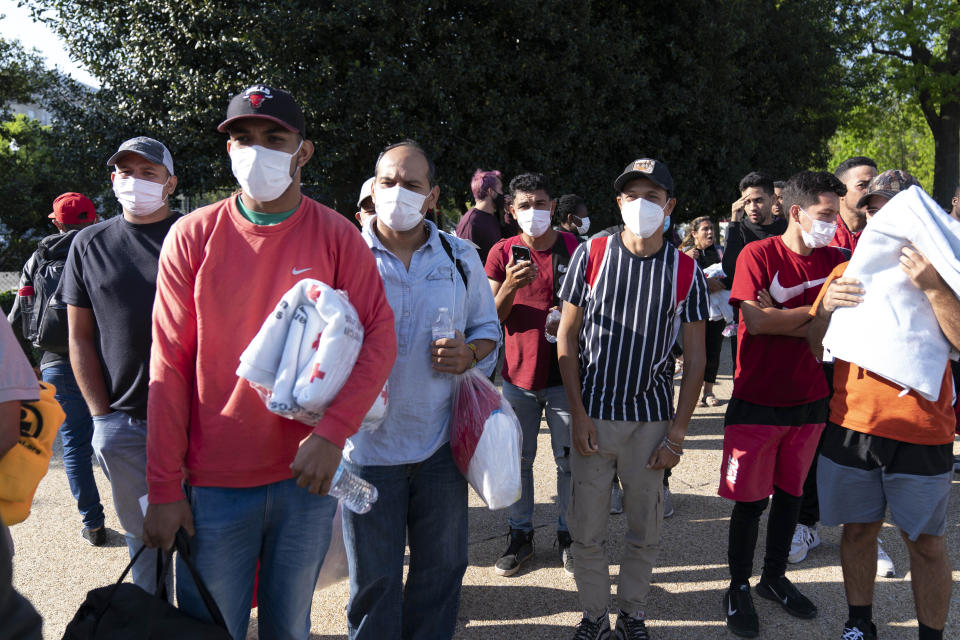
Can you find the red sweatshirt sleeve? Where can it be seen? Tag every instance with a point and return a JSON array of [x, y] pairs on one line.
[[172, 369], [357, 274]]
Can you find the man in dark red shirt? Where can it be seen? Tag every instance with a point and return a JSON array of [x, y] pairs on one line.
[[481, 224], [856, 174], [525, 273], [779, 404]]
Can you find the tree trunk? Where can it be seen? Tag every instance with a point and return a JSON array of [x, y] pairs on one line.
[[946, 149]]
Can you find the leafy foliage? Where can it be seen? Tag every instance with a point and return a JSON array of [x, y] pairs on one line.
[[572, 88]]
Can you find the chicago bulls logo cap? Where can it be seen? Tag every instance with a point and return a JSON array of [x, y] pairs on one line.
[[649, 168], [261, 101]]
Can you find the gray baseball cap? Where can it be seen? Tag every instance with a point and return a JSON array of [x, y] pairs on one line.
[[145, 147]]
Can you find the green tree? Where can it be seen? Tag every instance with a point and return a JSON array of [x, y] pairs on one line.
[[573, 88], [914, 48]]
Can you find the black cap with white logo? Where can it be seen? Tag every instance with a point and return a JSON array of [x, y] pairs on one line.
[[261, 101], [653, 170]]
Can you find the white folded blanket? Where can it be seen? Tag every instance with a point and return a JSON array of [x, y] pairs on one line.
[[719, 301], [894, 332], [305, 351]]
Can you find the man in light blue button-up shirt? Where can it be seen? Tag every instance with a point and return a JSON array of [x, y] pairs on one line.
[[423, 496]]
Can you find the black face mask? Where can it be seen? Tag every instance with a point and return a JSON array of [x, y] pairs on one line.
[[498, 202]]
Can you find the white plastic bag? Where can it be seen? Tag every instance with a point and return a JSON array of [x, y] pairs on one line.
[[486, 440], [334, 567]]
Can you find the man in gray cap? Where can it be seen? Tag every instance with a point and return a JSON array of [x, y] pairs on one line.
[[108, 284]]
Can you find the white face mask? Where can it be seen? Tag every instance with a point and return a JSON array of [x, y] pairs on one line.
[[399, 208], [264, 174], [643, 217], [584, 225], [820, 234], [534, 222], [139, 197]]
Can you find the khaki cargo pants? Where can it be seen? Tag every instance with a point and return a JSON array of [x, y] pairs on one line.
[[624, 449]]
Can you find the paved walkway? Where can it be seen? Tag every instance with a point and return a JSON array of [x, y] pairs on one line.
[[54, 567]]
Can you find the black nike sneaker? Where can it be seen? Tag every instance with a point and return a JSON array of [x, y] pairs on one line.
[[741, 615], [782, 590]]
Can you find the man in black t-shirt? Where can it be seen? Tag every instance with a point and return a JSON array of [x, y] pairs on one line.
[[108, 284]]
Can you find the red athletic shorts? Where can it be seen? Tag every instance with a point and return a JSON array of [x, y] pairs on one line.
[[757, 456]]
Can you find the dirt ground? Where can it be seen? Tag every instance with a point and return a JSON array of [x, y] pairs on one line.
[[55, 568]]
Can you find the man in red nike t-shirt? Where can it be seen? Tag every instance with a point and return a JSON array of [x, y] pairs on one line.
[[779, 403]]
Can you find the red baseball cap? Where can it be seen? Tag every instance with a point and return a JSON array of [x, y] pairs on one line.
[[73, 208]]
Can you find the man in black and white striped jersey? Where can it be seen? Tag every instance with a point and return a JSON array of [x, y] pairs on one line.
[[626, 297]]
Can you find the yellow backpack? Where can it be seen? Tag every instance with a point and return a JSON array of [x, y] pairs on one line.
[[22, 468]]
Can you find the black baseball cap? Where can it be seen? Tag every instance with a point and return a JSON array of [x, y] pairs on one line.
[[152, 150], [261, 101], [653, 170]]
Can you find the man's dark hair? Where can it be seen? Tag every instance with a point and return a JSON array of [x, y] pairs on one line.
[[757, 179], [431, 168], [528, 183], [804, 188], [568, 205], [779, 184], [850, 163]]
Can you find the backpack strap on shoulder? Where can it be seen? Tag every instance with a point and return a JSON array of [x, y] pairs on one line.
[[684, 280], [449, 251], [595, 258]]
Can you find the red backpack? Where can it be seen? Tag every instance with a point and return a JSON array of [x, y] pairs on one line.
[[682, 274]]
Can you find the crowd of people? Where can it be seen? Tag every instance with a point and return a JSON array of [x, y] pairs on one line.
[[157, 307]]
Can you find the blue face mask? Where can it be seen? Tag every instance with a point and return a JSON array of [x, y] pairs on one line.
[[666, 223]]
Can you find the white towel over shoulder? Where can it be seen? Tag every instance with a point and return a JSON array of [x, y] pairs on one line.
[[719, 301], [894, 332], [304, 351]]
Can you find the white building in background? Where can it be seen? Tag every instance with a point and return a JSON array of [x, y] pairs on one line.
[[32, 111]]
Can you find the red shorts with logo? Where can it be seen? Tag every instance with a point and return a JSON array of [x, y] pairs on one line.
[[760, 455]]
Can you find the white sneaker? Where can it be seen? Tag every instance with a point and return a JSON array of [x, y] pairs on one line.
[[884, 563], [804, 539]]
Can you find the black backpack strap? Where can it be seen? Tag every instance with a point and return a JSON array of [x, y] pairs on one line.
[[456, 262], [561, 262]]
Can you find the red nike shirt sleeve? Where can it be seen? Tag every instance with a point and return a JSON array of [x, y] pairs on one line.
[[750, 276]]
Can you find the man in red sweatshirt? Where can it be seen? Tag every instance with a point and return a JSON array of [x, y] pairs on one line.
[[246, 484]]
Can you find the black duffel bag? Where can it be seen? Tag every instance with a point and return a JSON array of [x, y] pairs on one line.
[[124, 611]]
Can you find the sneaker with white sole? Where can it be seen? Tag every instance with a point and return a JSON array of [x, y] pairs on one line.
[[564, 543], [804, 539], [885, 567], [593, 629]]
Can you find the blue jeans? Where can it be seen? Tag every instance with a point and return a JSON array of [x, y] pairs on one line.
[[285, 527], [120, 443], [529, 406], [427, 504], [76, 435]]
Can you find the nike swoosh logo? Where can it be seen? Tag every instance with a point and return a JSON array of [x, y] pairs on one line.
[[297, 272], [730, 611], [781, 294]]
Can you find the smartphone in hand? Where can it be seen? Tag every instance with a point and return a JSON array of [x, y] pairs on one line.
[[520, 253]]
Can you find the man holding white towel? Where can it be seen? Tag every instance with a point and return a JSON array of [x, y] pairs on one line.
[[248, 484], [886, 448]]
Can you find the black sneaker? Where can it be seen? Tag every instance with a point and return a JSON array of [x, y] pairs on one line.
[[741, 615], [630, 628], [519, 551], [564, 541], [96, 537], [589, 629], [859, 630], [782, 590]]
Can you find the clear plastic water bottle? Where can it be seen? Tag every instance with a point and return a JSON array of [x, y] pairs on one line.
[[442, 328], [352, 491], [551, 326]]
